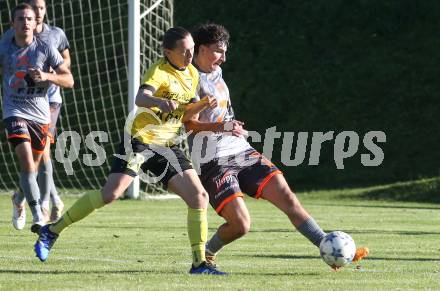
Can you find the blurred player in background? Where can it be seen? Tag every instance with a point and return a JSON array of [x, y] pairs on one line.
[[55, 37], [27, 65], [233, 165], [163, 99]]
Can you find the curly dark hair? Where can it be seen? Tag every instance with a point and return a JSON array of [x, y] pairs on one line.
[[209, 33]]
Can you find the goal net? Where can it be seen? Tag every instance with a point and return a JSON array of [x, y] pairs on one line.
[[95, 110]]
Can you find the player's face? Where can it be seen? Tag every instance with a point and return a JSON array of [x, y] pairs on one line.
[[213, 56], [40, 10], [24, 22], [181, 56]]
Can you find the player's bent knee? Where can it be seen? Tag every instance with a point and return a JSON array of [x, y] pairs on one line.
[[203, 196], [195, 199], [109, 196], [111, 192], [115, 186], [241, 225], [202, 199]]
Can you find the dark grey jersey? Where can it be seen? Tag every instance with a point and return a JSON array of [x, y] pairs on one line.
[[22, 97]]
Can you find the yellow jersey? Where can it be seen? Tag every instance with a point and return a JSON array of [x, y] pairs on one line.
[[151, 125]]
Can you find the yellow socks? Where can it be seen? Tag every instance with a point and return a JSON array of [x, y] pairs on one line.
[[197, 223], [198, 234], [80, 209]]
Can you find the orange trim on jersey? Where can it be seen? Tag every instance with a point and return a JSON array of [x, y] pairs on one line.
[[37, 151], [265, 181], [45, 128], [254, 153], [227, 200], [25, 136], [220, 118]]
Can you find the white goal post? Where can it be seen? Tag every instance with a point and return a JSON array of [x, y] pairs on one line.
[[135, 16], [134, 67]]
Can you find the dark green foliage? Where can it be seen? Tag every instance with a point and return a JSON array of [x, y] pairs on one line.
[[335, 65], [303, 66], [415, 191]]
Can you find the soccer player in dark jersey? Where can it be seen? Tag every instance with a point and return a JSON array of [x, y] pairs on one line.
[[26, 68], [164, 101], [55, 37], [231, 165]]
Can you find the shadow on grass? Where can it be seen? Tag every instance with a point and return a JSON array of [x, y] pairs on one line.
[[284, 256], [293, 273], [425, 190], [70, 272], [303, 257], [134, 226], [375, 206], [388, 232], [364, 231], [404, 259]]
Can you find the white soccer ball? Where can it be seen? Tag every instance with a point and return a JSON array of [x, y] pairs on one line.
[[337, 249]]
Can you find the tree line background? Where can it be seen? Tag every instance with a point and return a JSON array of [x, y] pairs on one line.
[[335, 66], [302, 66]]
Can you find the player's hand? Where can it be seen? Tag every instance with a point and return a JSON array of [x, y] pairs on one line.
[[37, 75], [210, 101], [166, 105], [236, 128]]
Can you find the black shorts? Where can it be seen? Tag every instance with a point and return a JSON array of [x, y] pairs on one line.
[[55, 108], [20, 130], [164, 162], [228, 177]]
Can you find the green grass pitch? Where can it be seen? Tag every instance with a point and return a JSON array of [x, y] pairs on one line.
[[143, 245]]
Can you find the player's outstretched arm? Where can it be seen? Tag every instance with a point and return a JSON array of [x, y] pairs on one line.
[[145, 98], [195, 125], [63, 76], [234, 127]]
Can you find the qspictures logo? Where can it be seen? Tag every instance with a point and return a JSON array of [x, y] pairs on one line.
[[345, 144]]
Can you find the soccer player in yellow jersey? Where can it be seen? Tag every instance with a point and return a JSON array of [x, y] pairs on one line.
[[234, 167], [165, 99]]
